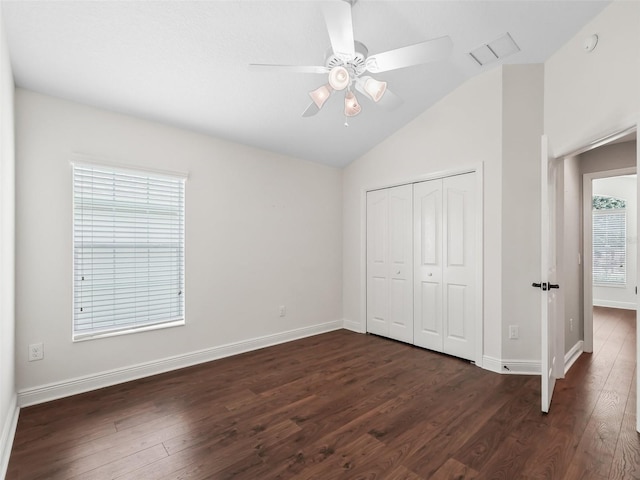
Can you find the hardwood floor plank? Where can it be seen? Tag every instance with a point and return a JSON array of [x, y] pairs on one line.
[[626, 459], [453, 469], [124, 465]]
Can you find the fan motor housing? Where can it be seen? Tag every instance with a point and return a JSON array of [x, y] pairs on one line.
[[356, 65]]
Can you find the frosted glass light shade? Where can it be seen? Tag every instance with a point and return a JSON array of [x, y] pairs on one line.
[[375, 88], [321, 95], [339, 78], [351, 105]]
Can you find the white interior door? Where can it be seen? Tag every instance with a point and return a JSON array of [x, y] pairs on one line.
[[389, 263], [445, 264], [427, 214], [548, 273], [459, 265]]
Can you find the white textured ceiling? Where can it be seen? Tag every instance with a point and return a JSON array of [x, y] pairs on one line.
[[184, 63]]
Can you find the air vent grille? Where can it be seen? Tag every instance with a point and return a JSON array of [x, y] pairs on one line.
[[495, 50]]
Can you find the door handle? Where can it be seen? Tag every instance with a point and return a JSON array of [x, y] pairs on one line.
[[537, 285], [542, 285], [553, 285]]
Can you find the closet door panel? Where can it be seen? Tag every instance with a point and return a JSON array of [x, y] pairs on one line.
[[458, 274], [389, 263], [377, 262], [427, 214], [401, 263]]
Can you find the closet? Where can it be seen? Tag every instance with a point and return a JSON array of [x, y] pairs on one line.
[[421, 264]]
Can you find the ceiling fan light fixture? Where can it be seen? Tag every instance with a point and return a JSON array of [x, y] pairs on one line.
[[339, 78], [375, 88], [351, 105], [320, 95]]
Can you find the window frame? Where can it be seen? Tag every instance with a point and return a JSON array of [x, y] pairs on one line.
[[80, 162]]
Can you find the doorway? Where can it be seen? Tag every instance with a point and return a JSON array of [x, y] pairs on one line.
[[614, 155]]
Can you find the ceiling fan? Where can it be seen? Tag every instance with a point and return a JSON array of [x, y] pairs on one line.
[[348, 62]]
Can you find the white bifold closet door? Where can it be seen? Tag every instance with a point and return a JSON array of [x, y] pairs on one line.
[[390, 263], [445, 265]]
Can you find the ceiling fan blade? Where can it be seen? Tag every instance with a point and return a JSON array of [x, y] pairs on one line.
[[265, 67], [337, 15], [311, 110], [424, 52]]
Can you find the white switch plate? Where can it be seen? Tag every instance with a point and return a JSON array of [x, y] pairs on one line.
[[283, 310], [36, 352], [513, 332]]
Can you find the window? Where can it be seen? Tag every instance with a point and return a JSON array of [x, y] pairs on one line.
[[609, 241], [128, 250]]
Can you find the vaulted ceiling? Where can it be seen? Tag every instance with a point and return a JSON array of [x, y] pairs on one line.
[[185, 63]]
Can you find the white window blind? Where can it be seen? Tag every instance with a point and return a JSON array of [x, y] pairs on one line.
[[609, 247], [128, 248]]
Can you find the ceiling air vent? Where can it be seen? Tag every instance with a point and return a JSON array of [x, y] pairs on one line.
[[496, 50]]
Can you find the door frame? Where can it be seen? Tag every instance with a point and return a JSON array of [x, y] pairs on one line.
[[478, 169], [587, 247]]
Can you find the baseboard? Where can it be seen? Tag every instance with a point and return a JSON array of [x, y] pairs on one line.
[[514, 367], [73, 386], [8, 433], [614, 304], [492, 364], [572, 355], [353, 326]]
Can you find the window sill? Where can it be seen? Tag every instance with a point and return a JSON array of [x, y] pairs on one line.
[[129, 331]]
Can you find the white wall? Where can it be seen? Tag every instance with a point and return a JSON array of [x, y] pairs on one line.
[[624, 188], [8, 410], [608, 157], [588, 95], [461, 130], [262, 230], [522, 120]]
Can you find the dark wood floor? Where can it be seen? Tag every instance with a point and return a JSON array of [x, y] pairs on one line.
[[344, 405]]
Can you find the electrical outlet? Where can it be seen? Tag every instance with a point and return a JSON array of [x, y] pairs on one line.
[[36, 351], [283, 310], [513, 332]]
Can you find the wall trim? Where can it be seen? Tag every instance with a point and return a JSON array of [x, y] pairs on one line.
[[73, 386], [614, 304], [572, 355], [353, 326], [511, 367], [492, 364], [8, 433]]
